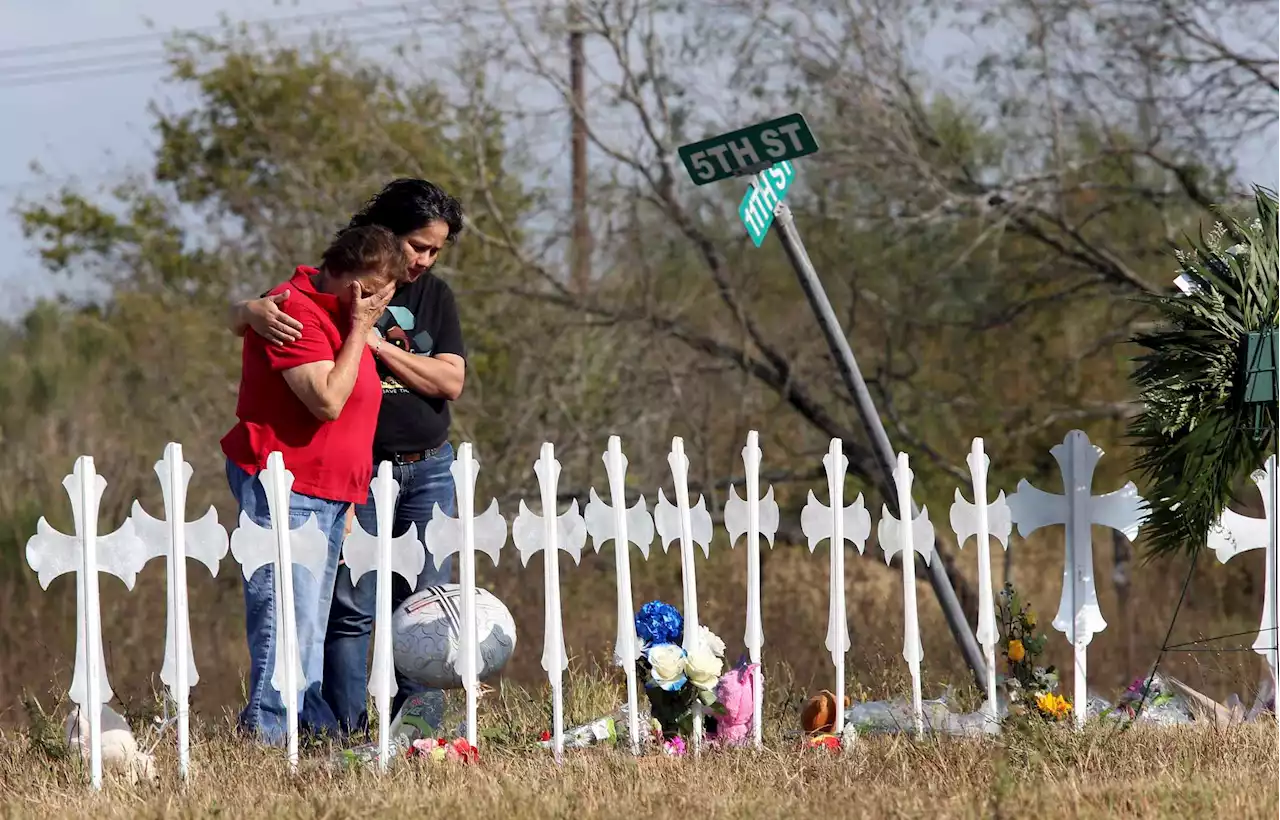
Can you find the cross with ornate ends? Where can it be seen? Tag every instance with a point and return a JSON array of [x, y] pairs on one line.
[[464, 536], [1235, 533], [615, 522], [1079, 617], [176, 539], [982, 521], [907, 537], [549, 534], [51, 553], [754, 517], [837, 524]]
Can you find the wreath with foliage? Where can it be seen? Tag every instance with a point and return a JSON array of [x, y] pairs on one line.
[[1197, 436]]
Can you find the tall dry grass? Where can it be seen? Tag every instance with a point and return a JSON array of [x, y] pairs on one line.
[[1146, 772]]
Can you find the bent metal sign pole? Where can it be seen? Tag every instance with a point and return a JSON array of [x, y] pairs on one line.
[[764, 151]]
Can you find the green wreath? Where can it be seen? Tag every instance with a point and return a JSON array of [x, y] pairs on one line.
[[1204, 427]]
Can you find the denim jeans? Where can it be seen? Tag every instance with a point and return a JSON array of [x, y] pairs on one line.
[[423, 484], [264, 715]]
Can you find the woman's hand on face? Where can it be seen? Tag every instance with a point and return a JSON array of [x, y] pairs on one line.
[[366, 310], [270, 322]]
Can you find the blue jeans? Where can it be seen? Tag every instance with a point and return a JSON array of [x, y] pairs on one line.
[[265, 712], [346, 648]]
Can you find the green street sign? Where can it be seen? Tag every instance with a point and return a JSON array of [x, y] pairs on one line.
[[748, 150], [756, 210]]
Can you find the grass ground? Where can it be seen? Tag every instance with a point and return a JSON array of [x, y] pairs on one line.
[[1182, 772]]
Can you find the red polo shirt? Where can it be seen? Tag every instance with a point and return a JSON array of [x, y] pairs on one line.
[[328, 459]]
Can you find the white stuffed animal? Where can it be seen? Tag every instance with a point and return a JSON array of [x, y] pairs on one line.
[[119, 749]]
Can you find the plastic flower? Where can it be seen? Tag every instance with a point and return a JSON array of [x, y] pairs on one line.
[[658, 623], [674, 747], [703, 667], [829, 742], [666, 666], [1031, 619], [1016, 650], [711, 641], [545, 736], [1054, 706]]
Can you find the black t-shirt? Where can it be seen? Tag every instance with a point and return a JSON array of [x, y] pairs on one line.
[[422, 318]]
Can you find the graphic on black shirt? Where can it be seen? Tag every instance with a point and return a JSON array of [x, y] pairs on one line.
[[422, 319], [395, 325]]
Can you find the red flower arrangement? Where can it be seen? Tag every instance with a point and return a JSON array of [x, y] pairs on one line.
[[440, 749], [829, 742]]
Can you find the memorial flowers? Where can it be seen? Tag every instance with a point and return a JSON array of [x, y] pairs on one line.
[[1031, 688], [675, 678]]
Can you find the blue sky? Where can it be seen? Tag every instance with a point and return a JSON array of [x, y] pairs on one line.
[[93, 127]]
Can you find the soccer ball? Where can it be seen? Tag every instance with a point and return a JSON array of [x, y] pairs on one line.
[[427, 628]]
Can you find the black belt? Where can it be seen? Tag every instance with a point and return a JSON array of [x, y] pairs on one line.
[[408, 458]]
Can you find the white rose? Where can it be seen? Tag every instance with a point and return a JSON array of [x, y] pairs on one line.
[[703, 667], [711, 641], [667, 666]]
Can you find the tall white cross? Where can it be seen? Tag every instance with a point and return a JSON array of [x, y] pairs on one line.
[[386, 557], [983, 521], [176, 539], [281, 548], [1079, 617], [754, 517], [908, 537], [624, 527], [837, 523], [550, 533], [692, 525], [1236, 533], [463, 536], [51, 553]]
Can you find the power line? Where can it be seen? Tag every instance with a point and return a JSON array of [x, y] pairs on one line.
[[96, 64], [132, 39], [103, 67]]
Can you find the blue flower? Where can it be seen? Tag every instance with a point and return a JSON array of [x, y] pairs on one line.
[[658, 623]]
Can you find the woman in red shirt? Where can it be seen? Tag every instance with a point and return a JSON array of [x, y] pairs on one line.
[[316, 401]]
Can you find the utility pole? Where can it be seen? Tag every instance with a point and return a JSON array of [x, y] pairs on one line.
[[580, 268]]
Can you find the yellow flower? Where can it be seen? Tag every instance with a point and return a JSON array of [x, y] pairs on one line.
[[1031, 619], [1054, 706], [1016, 651]]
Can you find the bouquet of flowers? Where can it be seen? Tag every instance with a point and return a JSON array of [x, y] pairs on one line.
[[675, 679], [1030, 687]]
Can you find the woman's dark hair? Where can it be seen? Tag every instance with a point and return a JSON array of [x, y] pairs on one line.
[[364, 249], [407, 205]]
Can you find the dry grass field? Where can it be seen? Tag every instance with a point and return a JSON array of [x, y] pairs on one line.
[[1043, 771]]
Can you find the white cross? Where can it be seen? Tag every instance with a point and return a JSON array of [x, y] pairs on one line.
[[1078, 615], [1235, 533], [908, 536], [385, 556], [692, 525], [837, 523], [549, 534], [983, 521], [463, 536], [50, 554], [176, 539], [754, 517], [280, 548], [624, 527]]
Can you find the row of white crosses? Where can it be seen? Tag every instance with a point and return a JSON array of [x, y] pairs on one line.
[[1078, 615], [142, 538]]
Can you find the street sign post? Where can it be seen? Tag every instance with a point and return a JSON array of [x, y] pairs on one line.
[[756, 210], [765, 150], [748, 150]]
